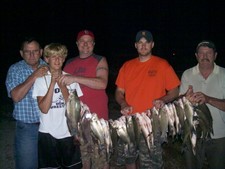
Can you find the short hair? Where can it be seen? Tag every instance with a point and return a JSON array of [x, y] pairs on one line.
[[206, 43], [55, 49], [28, 40]]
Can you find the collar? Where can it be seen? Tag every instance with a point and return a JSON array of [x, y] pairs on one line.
[[215, 69]]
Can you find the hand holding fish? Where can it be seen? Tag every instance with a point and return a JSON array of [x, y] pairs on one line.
[[200, 98], [66, 79], [158, 104], [126, 109]]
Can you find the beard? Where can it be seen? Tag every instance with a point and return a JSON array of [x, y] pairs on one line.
[[144, 53]]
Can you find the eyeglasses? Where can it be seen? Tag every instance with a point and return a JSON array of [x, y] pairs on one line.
[[33, 52]]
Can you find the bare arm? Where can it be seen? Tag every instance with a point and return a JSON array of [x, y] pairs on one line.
[[64, 91], [20, 91], [45, 102], [98, 82], [170, 96], [218, 103], [120, 98], [200, 97]]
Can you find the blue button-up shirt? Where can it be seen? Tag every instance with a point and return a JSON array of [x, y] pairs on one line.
[[26, 110]]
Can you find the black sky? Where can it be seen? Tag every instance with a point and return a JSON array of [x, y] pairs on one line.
[[177, 27]]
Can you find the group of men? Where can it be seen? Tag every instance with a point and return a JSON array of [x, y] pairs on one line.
[[39, 90]]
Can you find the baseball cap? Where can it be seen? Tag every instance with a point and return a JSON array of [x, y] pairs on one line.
[[85, 32], [144, 34], [206, 43]]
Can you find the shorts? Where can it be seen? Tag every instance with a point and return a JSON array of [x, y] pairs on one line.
[[150, 159], [94, 154], [126, 154], [58, 153]]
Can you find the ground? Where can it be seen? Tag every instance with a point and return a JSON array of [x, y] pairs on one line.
[[7, 126]]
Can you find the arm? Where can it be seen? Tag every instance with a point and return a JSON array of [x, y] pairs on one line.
[[170, 96], [20, 91], [120, 98], [201, 98], [64, 91], [218, 103], [98, 82], [45, 102]]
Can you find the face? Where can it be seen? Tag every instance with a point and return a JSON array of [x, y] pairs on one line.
[[31, 53], [55, 62], [144, 48], [85, 45], [206, 56]]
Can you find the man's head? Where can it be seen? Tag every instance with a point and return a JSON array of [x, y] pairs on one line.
[[144, 43], [85, 32], [144, 34], [85, 43], [206, 53], [31, 51], [206, 43]]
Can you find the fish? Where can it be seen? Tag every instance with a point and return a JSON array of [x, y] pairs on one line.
[[189, 111], [193, 138], [191, 120], [97, 130], [137, 130], [73, 109], [171, 119], [107, 136], [177, 120], [113, 133], [85, 128], [122, 130], [179, 106], [144, 129], [130, 129], [205, 117], [155, 121], [149, 126], [164, 122], [114, 138]]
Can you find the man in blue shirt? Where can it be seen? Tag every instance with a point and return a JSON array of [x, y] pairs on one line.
[[19, 83]]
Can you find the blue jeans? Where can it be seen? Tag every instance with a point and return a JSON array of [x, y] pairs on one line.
[[26, 145]]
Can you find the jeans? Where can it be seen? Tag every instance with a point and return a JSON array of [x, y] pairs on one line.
[[26, 145]]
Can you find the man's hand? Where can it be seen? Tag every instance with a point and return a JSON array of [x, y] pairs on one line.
[[41, 71], [158, 104], [126, 110], [66, 79]]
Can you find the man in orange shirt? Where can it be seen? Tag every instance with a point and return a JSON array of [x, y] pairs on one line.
[[142, 83]]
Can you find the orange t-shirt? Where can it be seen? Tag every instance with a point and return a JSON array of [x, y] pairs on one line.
[[144, 82]]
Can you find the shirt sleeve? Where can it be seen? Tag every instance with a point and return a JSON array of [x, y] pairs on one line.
[[13, 79], [184, 83], [172, 80], [39, 88]]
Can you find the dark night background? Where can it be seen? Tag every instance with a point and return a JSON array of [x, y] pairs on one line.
[[177, 26]]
